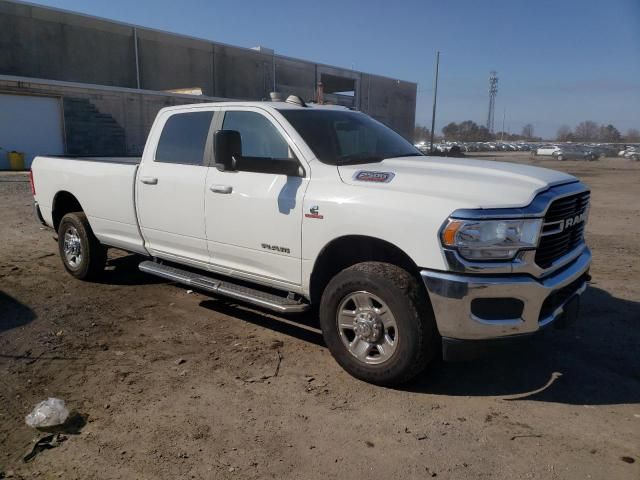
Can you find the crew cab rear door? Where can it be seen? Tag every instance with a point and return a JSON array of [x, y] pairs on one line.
[[254, 220], [170, 186]]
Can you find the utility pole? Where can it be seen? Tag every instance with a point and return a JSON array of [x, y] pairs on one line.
[[435, 97], [504, 114]]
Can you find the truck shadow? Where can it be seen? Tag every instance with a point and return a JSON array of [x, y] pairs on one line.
[[123, 270], [301, 326], [13, 314], [595, 362]]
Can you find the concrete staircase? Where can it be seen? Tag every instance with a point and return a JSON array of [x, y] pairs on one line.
[[91, 132]]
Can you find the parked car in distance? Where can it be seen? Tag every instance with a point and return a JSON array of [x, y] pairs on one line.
[[547, 149], [573, 153], [604, 150], [632, 154], [422, 146]]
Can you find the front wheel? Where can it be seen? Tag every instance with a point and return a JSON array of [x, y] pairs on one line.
[[377, 323], [82, 254]]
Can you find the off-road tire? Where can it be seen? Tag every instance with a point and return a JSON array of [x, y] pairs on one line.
[[94, 254], [417, 332]]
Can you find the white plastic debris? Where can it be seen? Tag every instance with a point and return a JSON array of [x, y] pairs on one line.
[[48, 413]]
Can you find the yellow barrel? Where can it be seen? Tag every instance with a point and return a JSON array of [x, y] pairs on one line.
[[16, 160]]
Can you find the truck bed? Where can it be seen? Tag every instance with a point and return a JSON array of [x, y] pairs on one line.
[[104, 188]]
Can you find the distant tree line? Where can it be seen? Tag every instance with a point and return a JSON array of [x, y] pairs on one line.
[[421, 134], [470, 131], [589, 131]]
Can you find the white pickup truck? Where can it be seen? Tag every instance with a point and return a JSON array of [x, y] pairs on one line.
[[285, 206]]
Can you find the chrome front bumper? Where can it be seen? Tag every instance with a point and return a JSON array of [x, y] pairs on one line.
[[452, 296]]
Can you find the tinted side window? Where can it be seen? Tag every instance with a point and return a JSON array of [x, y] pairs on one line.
[[260, 138], [183, 138]]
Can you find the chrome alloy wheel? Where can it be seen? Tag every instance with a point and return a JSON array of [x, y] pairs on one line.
[[367, 327], [72, 247]]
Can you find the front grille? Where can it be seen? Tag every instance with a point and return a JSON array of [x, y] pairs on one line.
[[555, 245]]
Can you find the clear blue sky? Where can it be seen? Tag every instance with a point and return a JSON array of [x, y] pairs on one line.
[[559, 61]]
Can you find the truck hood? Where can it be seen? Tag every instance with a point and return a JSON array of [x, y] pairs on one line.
[[476, 183]]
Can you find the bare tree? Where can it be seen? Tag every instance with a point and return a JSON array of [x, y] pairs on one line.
[[421, 133], [609, 134], [467, 131], [587, 131], [564, 134], [450, 131], [527, 131], [632, 136]]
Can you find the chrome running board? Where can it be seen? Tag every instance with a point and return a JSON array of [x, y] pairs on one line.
[[260, 298]]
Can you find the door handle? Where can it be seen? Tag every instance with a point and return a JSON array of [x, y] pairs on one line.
[[149, 180], [221, 189]]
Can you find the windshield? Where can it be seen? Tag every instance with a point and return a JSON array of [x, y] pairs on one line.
[[340, 137]]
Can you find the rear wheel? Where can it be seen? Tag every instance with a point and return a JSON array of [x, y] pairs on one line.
[[560, 157], [377, 323], [82, 254]]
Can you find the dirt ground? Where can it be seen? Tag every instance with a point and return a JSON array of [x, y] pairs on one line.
[[176, 385]]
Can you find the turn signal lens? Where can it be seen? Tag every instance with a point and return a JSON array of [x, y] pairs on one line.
[[449, 232]]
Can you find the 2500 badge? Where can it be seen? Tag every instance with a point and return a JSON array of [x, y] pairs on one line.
[[276, 248]]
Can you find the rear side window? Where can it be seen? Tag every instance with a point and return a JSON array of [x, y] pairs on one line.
[[260, 138], [183, 138]]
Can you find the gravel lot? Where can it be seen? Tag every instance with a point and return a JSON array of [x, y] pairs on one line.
[[173, 385]]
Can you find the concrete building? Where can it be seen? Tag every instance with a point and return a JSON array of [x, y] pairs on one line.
[[76, 84]]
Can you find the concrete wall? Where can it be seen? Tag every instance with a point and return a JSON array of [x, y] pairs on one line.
[[295, 77], [241, 73], [44, 43], [168, 63], [392, 102]]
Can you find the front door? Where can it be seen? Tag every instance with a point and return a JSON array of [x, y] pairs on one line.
[[254, 219], [170, 189]]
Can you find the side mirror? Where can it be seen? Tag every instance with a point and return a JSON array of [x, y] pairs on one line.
[[227, 146]]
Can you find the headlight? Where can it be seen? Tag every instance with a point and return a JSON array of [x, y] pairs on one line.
[[491, 239]]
